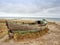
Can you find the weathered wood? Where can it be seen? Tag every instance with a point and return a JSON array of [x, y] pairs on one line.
[[15, 26]]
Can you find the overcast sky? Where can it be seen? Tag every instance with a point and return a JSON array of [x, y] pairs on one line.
[[30, 8]]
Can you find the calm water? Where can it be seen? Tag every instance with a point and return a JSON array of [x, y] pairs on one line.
[[54, 19], [32, 18]]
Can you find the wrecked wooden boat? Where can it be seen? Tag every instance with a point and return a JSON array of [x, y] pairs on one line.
[[23, 28]]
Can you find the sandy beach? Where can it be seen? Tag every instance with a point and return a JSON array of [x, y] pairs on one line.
[[52, 37]]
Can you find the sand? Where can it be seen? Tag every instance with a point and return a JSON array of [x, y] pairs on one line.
[[52, 37]]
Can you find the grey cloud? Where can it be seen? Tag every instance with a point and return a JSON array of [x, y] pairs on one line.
[[32, 7], [55, 10], [19, 8], [46, 8]]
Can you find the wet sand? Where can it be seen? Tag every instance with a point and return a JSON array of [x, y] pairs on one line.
[[52, 37]]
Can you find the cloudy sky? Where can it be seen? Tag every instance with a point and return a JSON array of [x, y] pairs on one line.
[[30, 8]]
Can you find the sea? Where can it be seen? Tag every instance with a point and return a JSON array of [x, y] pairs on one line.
[[32, 18]]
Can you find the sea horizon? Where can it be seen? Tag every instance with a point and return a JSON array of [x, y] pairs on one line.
[[32, 18]]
